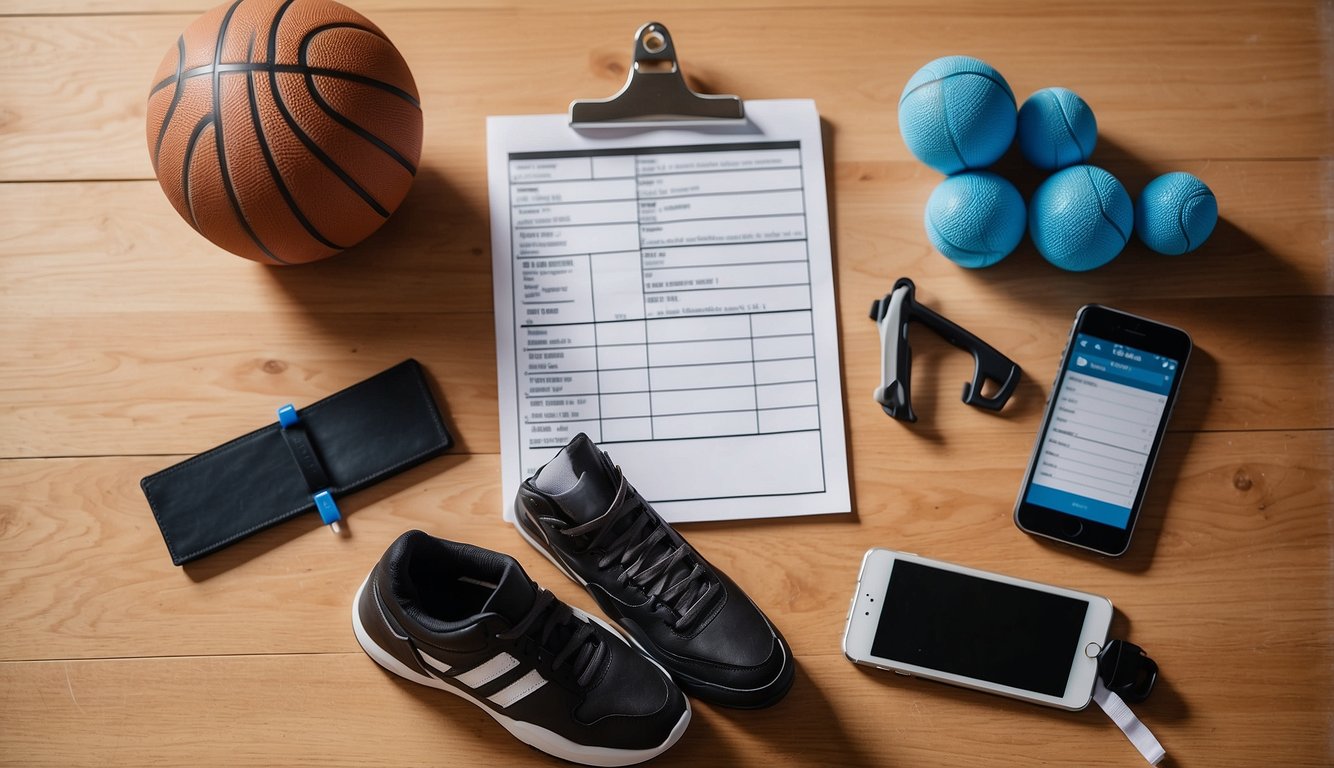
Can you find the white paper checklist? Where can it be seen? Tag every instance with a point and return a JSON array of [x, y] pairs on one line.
[[669, 292]]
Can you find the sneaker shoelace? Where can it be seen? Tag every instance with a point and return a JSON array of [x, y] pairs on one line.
[[559, 630], [638, 542]]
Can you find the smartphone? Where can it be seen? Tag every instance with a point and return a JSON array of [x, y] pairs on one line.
[[1106, 416], [975, 629]]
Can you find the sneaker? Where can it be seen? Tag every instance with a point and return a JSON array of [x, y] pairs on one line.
[[469, 621], [580, 512]]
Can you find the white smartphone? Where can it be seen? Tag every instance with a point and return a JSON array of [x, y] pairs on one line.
[[1030, 641]]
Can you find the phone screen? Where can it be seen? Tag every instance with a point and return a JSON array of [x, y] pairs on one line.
[[1099, 442], [978, 628]]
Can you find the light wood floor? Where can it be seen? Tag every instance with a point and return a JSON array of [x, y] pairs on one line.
[[130, 342]]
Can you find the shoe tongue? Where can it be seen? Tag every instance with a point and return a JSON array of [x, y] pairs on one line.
[[513, 596], [579, 481], [589, 499]]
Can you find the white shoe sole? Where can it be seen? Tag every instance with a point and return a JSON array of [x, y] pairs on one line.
[[533, 735]]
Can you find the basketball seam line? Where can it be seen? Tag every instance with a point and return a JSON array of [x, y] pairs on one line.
[[1102, 211], [301, 135], [175, 99], [206, 69], [1181, 213], [1004, 87], [164, 82], [203, 123], [273, 169], [339, 117], [237, 67], [220, 139]]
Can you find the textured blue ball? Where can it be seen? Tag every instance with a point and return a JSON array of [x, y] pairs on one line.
[[957, 113], [1175, 214], [1080, 218], [975, 219], [1056, 129]]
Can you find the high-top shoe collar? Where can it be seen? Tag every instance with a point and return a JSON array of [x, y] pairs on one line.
[[580, 481]]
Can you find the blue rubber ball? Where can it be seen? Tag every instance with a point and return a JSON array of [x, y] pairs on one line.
[[975, 219], [957, 113], [1080, 218], [1056, 129], [1175, 214]]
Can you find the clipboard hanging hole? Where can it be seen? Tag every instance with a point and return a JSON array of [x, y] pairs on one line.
[[654, 41], [655, 66]]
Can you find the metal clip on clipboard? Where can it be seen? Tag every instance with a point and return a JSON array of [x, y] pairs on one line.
[[655, 93], [892, 315]]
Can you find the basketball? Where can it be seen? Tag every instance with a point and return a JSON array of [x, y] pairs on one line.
[[975, 219], [1080, 218], [957, 113], [284, 131]]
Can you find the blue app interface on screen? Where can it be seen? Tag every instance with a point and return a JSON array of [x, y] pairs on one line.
[[1097, 445]]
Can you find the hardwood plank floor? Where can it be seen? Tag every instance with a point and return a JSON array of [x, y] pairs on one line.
[[118, 595], [343, 710], [1231, 77], [130, 342]]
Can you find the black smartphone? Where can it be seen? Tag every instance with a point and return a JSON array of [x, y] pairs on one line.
[[1106, 416]]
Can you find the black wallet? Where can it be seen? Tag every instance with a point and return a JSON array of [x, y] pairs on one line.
[[352, 439]]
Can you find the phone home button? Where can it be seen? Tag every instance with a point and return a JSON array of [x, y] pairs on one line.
[[1072, 528]]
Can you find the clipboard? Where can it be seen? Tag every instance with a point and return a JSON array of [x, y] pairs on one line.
[[663, 282]]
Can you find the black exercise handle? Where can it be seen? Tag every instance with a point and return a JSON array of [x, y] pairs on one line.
[[988, 363]]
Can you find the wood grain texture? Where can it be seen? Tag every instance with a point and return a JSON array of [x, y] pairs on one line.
[[88, 579], [178, 309], [343, 710], [88, 575], [127, 382], [130, 342], [1248, 76], [434, 255]]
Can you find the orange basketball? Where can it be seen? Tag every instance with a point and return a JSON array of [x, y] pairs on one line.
[[284, 130]]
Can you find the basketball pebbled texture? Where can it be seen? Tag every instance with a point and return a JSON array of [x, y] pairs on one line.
[[284, 130], [956, 113], [1056, 129], [975, 219], [1080, 218], [1175, 214]]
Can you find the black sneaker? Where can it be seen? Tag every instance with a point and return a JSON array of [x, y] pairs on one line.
[[469, 621], [580, 512]]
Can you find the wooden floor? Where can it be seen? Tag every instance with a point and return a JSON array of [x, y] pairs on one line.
[[130, 342]]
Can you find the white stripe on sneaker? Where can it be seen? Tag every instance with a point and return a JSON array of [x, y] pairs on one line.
[[488, 670], [433, 662], [517, 690]]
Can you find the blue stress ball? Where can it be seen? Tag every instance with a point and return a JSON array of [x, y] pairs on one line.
[[957, 113], [975, 219], [1056, 129], [1175, 214], [1080, 218]]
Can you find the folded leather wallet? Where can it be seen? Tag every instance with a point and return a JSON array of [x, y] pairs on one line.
[[347, 441]]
